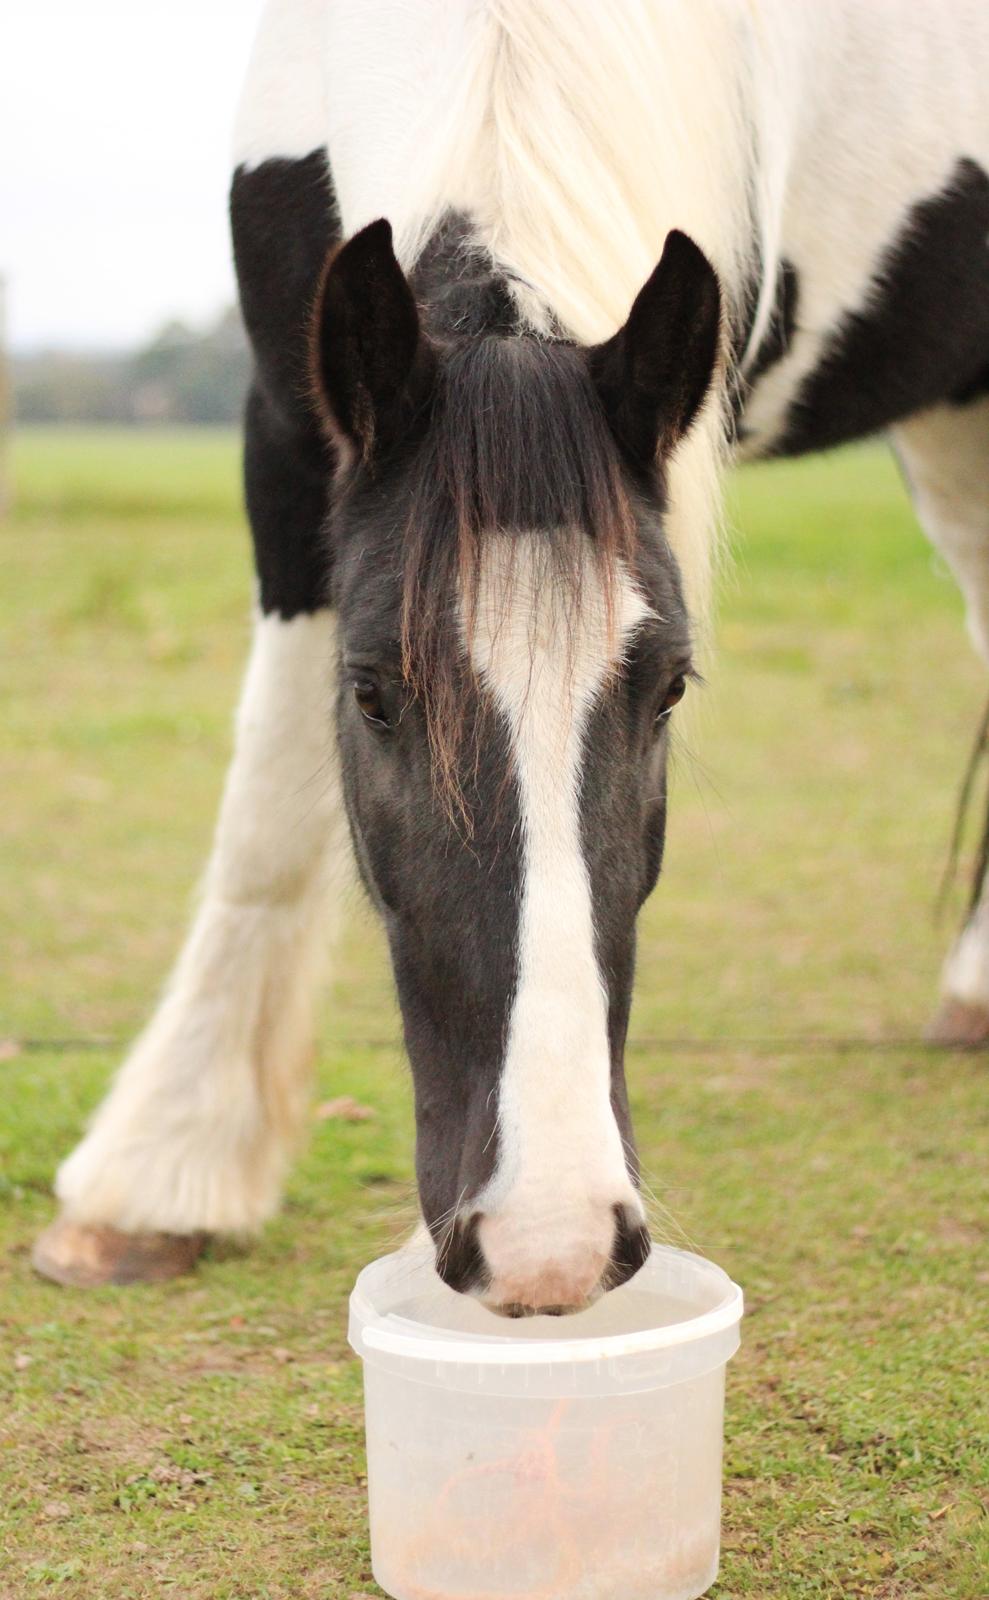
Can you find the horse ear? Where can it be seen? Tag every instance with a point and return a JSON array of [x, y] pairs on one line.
[[653, 374], [366, 339]]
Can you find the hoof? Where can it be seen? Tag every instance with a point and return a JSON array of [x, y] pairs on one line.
[[82, 1257], [960, 1024]]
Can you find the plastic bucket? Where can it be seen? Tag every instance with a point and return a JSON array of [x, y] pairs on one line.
[[545, 1459]]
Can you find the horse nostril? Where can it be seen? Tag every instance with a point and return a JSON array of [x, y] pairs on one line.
[[460, 1260], [630, 1250]]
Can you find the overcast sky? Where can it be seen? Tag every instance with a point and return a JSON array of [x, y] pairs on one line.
[[115, 119]]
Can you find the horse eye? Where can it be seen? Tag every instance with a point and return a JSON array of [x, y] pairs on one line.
[[368, 697], [674, 695]]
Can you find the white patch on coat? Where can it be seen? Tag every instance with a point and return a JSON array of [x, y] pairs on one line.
[[548, 1219], [202, 1118], [282, 110]]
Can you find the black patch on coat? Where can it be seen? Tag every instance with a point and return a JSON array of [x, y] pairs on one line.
[[286, 487], [925, 336], [284, 222]]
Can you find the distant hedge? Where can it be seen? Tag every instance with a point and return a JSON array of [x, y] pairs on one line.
[[182, 376]]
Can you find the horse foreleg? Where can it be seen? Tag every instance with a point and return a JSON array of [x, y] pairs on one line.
[[195, 1134]]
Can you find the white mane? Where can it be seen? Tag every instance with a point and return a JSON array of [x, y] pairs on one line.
[[577, 136]]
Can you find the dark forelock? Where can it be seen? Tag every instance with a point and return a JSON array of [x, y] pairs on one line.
[[517, 443]]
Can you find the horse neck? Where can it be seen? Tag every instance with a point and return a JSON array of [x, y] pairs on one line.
[[573, 137]]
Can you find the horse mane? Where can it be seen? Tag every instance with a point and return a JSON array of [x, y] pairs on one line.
[[575, 138], [517, 443]]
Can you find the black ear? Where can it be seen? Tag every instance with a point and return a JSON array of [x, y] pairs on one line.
[[652, 376], [367, 343]]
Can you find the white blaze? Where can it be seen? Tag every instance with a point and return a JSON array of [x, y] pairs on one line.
[[561, 1168]]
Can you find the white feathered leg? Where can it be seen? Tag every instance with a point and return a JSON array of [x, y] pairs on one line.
[[196, 1131]]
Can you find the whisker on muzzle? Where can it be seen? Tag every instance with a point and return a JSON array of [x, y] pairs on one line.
[[630, 1250], [462, 1265]]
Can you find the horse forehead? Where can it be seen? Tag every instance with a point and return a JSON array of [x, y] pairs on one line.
[[543, 630]]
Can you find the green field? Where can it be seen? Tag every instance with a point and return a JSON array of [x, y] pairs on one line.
[[203, 1439]]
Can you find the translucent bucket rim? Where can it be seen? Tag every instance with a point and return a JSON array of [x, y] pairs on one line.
[[387, 1333]]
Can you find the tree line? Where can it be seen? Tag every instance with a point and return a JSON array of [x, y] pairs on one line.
[[183, 375]]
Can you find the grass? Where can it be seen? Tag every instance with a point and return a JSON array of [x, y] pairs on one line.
[[204, 1438]]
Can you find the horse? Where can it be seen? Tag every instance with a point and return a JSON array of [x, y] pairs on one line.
[[520, 278]]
